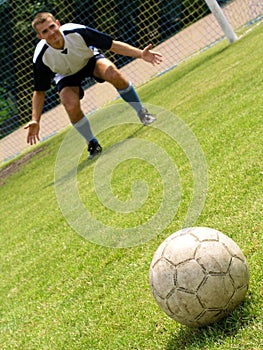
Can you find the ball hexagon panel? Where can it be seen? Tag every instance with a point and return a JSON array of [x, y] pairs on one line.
[[213, 256], [180, 249], [239, 272], [216, 291], [231, 246], [204, 233], [184, 306], [163, 305], [237, 298], [189, 275], [210, 316], [163, 277]]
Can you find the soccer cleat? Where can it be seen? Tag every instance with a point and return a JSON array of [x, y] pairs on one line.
[[94, 148], [145, 117]]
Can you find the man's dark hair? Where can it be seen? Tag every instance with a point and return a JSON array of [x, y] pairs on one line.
[[40, 18]]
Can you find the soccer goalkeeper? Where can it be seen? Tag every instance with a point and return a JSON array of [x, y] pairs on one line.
[[70, 53]]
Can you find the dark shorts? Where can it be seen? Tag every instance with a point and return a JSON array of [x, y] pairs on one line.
[[77, 78]]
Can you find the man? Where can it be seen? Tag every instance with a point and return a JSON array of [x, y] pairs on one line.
[[70, 53]]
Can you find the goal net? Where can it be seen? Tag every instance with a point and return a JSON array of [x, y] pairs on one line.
[[176, 28]]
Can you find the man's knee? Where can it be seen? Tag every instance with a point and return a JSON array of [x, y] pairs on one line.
[[71, 102], [116, 78], [107, 71]]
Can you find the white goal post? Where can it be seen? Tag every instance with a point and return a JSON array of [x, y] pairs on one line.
[[222, 20], [176, 28]]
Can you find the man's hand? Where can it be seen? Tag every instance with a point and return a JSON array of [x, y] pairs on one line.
[[151, 56], [33, 132]]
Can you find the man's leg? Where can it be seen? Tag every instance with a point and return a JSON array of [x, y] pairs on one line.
[[70, 99], [107, 71]]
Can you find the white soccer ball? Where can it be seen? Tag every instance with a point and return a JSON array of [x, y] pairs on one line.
[[198, 275]]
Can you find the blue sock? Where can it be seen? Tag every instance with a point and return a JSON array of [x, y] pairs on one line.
[[83, 127], [130, 95]]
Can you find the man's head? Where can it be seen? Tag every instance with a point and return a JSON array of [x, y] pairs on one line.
[[40, 18], [47, 27]]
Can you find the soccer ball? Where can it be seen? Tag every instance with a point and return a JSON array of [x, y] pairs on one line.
[[198, 275]]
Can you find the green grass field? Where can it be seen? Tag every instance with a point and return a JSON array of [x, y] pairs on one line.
[[61, 291]]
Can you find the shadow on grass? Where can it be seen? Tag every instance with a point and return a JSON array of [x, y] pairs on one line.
[[85, 163], [201, 338]]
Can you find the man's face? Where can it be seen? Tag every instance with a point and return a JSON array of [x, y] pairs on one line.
[[49, 30]]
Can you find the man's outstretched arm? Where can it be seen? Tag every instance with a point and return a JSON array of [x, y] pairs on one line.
[[146, 54]]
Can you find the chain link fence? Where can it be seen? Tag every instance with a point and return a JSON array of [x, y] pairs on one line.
[[176, 28]]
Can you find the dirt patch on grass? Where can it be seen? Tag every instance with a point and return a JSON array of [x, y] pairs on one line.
[[15, 166]]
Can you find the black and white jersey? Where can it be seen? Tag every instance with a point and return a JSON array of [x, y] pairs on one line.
[[50, 63]]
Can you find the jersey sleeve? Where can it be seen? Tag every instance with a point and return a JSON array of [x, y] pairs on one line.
[[42, 77], [42, 73], [96, 38]]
